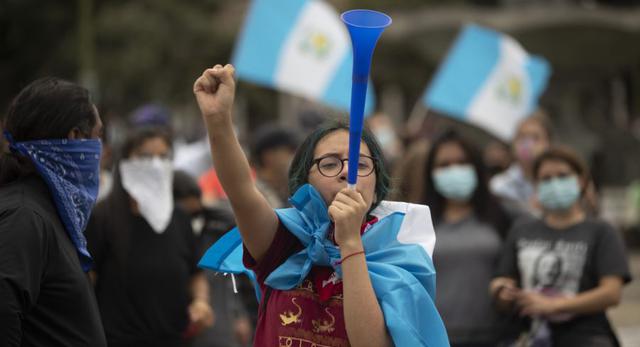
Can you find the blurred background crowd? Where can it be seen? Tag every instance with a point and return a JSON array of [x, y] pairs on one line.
[[139, 60]]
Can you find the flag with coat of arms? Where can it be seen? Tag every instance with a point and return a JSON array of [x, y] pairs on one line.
[[398, 249], [488, 80], [300, 47]]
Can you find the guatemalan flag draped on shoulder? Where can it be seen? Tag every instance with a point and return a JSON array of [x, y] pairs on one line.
[[488, 80], [398, 250], [300, 47]]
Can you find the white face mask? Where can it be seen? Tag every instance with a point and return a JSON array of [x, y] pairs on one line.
[[150, 184], [456, 182]]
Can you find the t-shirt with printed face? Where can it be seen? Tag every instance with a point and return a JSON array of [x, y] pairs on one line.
[[564, 263]]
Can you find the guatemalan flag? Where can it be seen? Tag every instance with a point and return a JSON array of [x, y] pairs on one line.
[[488, 80], [300, 47], [398, 250]]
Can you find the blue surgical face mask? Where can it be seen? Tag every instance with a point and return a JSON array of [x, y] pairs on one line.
[[456, 182], [71, 170], [558, 194]]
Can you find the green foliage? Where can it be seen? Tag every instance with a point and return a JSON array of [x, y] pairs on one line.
[[144, 50], [36, 39], [154, 50]]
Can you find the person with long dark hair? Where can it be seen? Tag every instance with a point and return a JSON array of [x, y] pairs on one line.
[[48, 186], [342, 267], [470, 225], [147, 285], [566, 269]]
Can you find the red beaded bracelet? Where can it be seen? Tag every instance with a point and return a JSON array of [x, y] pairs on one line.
[[347, 257]]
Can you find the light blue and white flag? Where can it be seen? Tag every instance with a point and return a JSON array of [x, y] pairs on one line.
[[300, 47], [398, 250], [488, 80]]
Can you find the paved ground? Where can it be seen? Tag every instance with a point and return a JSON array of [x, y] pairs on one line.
[[626, 317]]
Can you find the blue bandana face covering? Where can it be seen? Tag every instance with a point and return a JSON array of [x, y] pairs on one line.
[[71, 169]]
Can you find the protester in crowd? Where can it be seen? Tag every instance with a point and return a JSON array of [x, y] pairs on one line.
[[147, 285], [190, 154], [48, 185], [311, 290], [470, 227], [533, 136], [188, 196], [566, 269], [272, 149], [233, 327]]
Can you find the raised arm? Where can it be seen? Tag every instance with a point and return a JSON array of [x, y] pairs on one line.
[[215, 91]]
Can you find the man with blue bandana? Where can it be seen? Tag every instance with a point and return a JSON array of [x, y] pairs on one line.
[[48, 185]]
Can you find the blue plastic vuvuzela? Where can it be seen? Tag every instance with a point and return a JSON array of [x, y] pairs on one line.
[[365, 27]]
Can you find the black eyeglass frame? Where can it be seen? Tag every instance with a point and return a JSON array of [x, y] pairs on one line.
[[316, 162]]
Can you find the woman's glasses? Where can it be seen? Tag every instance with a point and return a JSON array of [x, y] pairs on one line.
[[331, 165]]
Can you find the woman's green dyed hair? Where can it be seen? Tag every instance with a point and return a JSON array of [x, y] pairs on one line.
[[303, 159]]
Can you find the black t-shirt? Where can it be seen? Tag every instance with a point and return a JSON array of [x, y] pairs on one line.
[[45, 297], [565, 263], [143, 278]]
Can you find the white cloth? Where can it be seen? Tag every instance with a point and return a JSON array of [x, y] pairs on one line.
[[150, 184], [512, 185]]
